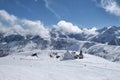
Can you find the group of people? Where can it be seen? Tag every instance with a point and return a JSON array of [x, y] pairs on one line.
[[67, 55]]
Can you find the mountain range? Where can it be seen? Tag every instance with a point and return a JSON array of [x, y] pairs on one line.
[[92, 41]]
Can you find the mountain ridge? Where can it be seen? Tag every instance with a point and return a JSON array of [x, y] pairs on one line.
[[104, 38]]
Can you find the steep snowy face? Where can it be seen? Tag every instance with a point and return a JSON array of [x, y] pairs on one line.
[[108, 35], [108, 52]]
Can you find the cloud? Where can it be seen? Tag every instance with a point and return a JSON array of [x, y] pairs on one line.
[[111, 6], [91, 31], [47, 5], [4, 16], [67, 27], [36, 27], [21, 26], [25, 27]]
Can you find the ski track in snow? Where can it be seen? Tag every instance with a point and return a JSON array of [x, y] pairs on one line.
[[21, 67]]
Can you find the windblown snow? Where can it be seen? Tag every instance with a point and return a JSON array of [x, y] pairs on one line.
[[24, 67]]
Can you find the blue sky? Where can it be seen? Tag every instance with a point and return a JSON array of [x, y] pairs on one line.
[[85, 13]]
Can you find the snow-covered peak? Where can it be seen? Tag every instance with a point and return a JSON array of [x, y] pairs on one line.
[[109, 28]]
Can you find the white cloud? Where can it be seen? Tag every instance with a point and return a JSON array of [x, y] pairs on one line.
[[7, 17], [36, 28], [2, 29], [111, 6], [91, 31], [68, 27], [22, 26]]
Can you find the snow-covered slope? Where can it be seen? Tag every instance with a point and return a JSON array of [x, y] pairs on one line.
[[109, 52], [109, 35], [105, 51], [24, 67]]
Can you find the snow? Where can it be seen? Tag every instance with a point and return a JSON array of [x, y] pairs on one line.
[[109, 52], [67, 56], [24, 67]]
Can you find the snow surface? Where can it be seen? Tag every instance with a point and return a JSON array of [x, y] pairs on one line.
[[24, 67]]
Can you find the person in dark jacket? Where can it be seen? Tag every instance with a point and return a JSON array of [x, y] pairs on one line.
[[80, 55]]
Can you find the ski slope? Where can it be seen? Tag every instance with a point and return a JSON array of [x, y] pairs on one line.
[[25, 67]]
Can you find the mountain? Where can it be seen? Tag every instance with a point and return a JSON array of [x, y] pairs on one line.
[[93, 41], [109, 35]]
